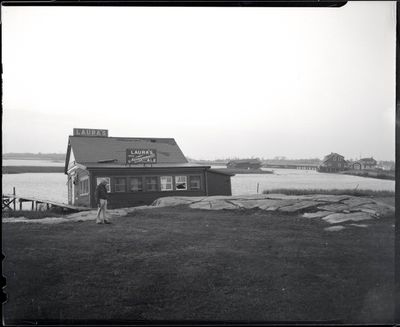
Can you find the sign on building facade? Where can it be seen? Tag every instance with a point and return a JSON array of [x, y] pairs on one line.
[[90, 132], [138, 156]]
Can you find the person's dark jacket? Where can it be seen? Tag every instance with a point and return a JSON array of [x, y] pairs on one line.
[[101, 193]]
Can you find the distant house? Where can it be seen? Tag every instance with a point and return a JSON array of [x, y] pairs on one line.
[[245, 164], [365, 163], [332, 162]]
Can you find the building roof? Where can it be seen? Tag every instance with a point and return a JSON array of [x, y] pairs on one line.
[[332, 154], [91, 150], [141, 166], [367, 160]]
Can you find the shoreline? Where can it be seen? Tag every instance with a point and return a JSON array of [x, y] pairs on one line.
[[370, 174], [32, 169]]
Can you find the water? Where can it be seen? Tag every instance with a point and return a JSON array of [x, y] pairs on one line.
[[49, 186], [305, 179], [28, 162], [52, 186]]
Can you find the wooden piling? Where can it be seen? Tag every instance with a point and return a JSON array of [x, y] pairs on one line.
[[14, 197]]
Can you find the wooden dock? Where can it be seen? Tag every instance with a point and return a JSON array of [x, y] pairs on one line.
[[9, 203]]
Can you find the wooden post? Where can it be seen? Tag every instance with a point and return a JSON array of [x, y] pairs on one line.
[[258, 185], [14, 197], [33, 205], [20, 204]]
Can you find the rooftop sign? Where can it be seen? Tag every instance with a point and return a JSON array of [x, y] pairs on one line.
[[90, 132], [138, 156]]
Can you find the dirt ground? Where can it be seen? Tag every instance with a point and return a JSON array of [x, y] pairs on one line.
[[180, 264]]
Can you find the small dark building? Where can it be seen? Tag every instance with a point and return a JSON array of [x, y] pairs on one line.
[[137, 170], [245, 164], [333, 162]]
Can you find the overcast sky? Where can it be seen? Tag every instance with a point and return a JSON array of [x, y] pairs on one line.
[[224, 82]]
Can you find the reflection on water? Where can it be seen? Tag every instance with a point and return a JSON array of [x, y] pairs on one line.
[[52, 186]]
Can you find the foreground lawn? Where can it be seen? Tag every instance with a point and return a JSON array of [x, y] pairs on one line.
[[183, 264]]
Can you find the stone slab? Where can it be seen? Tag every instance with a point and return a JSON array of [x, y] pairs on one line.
[[299, 206], [335, 207], [318, 214], [343, 217], [334, 228]]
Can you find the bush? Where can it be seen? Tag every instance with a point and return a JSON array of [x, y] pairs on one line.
[[354, 192]]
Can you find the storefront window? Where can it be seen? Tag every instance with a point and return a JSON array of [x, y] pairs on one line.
[[107, 179], [136, 184], [195, 183], [120, 184], [166, 183], [181, 183], [151, 183]]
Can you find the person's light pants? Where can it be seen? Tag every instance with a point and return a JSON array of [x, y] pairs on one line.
[[102, 208]]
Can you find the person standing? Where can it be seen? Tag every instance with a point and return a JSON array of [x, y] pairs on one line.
[[101, 199]]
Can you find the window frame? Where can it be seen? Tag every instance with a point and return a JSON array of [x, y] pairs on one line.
[[84, 181], [189, 183], [115, 179], [167, 183], [176, 182], [139, 178], [157, 183]]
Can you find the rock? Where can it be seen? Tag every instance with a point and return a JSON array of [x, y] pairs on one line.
[[272, 205], [354, 201], [171, 201], [299, 206], [334, 228], [278, 196], [336, 207], [249, 204], [318, 214], [359, 225], [201, 205], [342, 217], [330, 198], [381, 209]]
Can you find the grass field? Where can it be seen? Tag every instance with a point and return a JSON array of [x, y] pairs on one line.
[[195, 265]]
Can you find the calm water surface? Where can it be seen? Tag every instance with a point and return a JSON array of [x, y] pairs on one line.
[[29, 162], [53, 186]]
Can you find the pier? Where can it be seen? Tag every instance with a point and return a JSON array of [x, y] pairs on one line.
[[9, 202], [292, 166]]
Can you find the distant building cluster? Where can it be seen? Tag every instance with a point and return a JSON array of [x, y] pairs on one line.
[[335, 162], [244, 164]]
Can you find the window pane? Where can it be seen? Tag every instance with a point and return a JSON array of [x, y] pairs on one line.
[[195, 182], [151, 184], [120, 184], [136, 184], [181, 183], [166, 183]]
